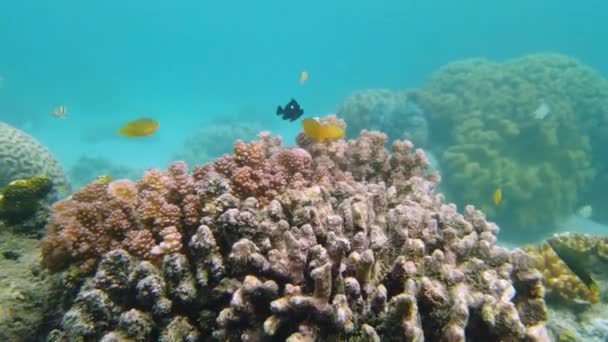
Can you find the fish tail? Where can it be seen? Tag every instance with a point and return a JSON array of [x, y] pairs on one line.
[[122, 131], [279, 110]]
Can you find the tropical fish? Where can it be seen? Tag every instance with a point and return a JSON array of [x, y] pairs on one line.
[[139, 128], [585, 211], [62, 189], [291, 112], [575, 263], [497, 196], [60, 112], [542, 111], [321, 132], [303, 76], [105, 179]]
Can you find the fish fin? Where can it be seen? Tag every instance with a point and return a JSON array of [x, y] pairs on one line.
[[279, 110]]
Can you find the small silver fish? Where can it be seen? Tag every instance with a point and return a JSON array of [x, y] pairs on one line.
[[542, 111], [585, 211]]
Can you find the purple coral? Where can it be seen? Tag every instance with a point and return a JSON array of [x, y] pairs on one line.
[[370, 253]]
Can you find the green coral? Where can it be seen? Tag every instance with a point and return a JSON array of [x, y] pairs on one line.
[[22, 198], [22, 156], [482, 121]]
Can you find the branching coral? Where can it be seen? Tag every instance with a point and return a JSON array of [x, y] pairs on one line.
[[374, 256], [482, 118], [258, 169], [120, 214]]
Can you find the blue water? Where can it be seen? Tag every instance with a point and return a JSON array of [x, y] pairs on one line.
[[188, 64], [185, 63]]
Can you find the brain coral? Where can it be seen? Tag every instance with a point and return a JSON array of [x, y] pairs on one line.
[[482, 122], [22, 156], [392, 112], [373, 255]]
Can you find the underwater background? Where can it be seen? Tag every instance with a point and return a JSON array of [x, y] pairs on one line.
[[508, 99]]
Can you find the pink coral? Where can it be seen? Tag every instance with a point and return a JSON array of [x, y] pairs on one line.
[[171, 242], [122, 214], [295, 160], [124, 190], [251, 154], [154, 180], [103, 216], [179, 180], [138, 243], [262, 169]]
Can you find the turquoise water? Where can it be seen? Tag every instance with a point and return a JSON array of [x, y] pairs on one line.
[[191, 64], [188, 62]]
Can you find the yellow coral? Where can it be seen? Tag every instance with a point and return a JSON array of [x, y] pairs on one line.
[[558, 278], [22, 197]]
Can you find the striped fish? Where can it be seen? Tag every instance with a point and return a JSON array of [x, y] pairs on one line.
[[60, 112]]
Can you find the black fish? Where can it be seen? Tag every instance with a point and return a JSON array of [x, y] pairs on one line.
[[291, 112], [573, 261]]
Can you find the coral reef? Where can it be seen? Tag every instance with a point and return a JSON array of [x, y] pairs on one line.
[[369, 253], [559, 280], [571, 319], [22, 156], [392, 112], [21, 199], [482, 119], [86, 169], [578, 313], [215, 139]]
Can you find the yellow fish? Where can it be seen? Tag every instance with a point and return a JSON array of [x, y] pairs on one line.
[[321, 132], [139, 128], [60, 112], [303, 76], [105, 179], [62, 189], [497, 196]]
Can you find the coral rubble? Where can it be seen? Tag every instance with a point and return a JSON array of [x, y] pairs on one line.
[[329, 241]]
